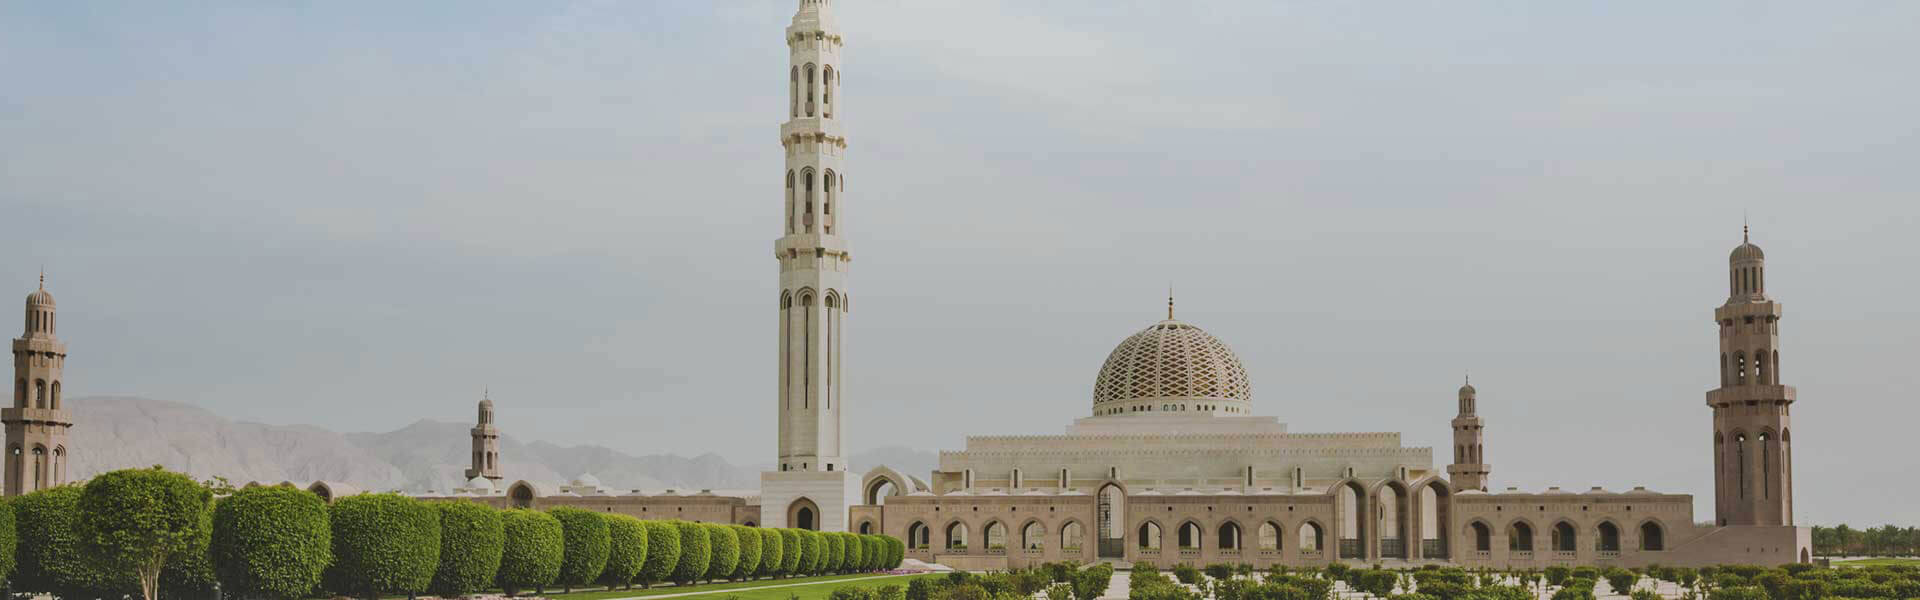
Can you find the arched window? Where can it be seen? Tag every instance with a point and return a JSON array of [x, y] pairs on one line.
[[1564, 538], [1652, 539], [1071, 537], [806, 184], [522, 496], [996, 536], [1033, 536], [1149, 536], [810, 87], [39, 393], [866, 527], [1392, 517], [1760, 363], [803, 518], [1189, 536], [826, 208], [1229, 538], [917, 536], [1269, 536], [794, 95], [1351, 527], [826, 90], [1520, 537], [957, 537], [1739, 368], [1740, 454], [1311, 537], [1609, 538], [1766, 466], [1776, 366], [790, 202], [56, 396], [1482, 536]]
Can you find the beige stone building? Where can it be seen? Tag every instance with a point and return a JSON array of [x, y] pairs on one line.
[[1172, 464]]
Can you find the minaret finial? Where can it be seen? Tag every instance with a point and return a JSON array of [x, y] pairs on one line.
[[486, 392], [1169, 302], [43, 277], [1744, 229]]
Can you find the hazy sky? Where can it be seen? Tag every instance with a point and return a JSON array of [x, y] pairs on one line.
[[358, 214]]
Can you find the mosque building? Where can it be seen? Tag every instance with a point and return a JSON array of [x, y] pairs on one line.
[[1172, 464]]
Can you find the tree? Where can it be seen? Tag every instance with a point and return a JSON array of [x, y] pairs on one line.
[[473, 537], [696, 552], [271, 542], [136, 519], [794, 549], [383, 544], [587, 544], [836, 552], [189, 574], [49, 559], [9, 540], [749, 552], [856, 552], [772, 551], [816, 554], [530, 558], [663, 552], [627, 550], [726, 551]]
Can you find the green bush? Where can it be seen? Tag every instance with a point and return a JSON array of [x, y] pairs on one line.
[[271, 542], [873, 549], [49, 559], [1645, 595], [626, 550], [383, 544], [1378, 582], [772, 551], [855, 551], [1557, 575], [889, 592], [921, 588], [1807, 589], [1090, 583], [815, 555], [1621, 580], [1739, 592], [9, 541], [1573, 593], [696, 552], [794, 547], [189, 574], [1411, 597], [663, 552], [535, 543], [836, 552], [586, 542], [850, 592], [138, 520], [725, 555], [749, 551], [472, 539], [1186, 574], [1219, 571]]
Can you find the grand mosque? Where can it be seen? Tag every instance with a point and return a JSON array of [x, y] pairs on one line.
[[1172, 463]]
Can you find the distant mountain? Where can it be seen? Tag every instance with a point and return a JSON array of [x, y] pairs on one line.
[[122, 432]]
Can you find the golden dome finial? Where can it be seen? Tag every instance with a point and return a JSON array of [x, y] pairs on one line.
[[1169, 302]]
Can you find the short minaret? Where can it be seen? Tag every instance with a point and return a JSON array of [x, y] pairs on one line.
[[1469, 469], [1752, 445], [809, 487], [486, 443], [37, 423]]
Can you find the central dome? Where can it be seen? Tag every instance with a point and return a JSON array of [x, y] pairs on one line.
[[1171, 366]]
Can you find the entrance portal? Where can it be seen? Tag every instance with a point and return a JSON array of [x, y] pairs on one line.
[[1112, 518]]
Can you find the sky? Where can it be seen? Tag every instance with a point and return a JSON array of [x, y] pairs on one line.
[[361, 214]]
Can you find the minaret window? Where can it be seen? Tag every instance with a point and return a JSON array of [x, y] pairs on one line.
[[55, 404], [1766, 466], [1760, 363], [39, 393], [793, 93], [790, 202], [826, 91], [806, 178], [826, 208], [1740, 453], [1739, 368], [810, 76]]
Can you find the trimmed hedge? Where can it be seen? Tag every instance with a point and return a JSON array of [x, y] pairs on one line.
[[131, 516], [530, 558], [726, 550], [749, 552], [816, 553], [383, 544], [836, 552], [794, 547], [896, 553], [49, 560], [587, 543], [472, 539], [855, 551], [627, 552], [696, 552], [271, 542], [663, 552], [772, 551]]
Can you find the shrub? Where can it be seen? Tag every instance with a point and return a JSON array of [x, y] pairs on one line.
[[851, 592], [663, 552], [696, 552], [1411, 597], [815, 555], [889, 592], [896, 553], [856, 552], [137, 519], [920, 588], [1220, 571], [1378, 582], [532, 551], [587, 542], [1807, 589], [1738, 592], [772, 551], [1645, 595], [383, 544], [725, 554], [1060, 591], [1621, 580], [472, 539], [794, 549], [836, 555], [749, 551], [189, 574], [49, 559], [1557, 575], [1574, 593], [1090, 583], [626, 550], [271, 542], [9, 541], [1186, 574]]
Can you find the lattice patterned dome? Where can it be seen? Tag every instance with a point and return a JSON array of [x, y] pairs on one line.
[[1171, 360]]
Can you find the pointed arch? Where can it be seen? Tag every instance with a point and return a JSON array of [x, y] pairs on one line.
[[803, 513], [811, 75], [1520, 536], [1352, 504], [1565, 537], [1312, 537], [994, 535], [1607, 536], [1073, 536], [1653, 537], [1188, 535], [1481, 534], [1033, 535], [792, 209], [1228, 536], [956, 537], [919, 536], [1149, 536], [1268, 539]]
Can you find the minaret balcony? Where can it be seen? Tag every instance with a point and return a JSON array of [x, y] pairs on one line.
[[37, 415], [809, 243], [810, 126], [1741, 394]]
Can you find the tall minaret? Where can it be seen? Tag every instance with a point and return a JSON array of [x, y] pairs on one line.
[[810, 487], [486, 443], [1752, 443], [1469, 469], [37, 422], [812, 254]]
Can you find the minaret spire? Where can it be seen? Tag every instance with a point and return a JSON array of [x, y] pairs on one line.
[[1169, 302]]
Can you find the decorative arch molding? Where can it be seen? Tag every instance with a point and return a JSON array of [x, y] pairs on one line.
[[1657, 542], [804, 508], [902, 485]]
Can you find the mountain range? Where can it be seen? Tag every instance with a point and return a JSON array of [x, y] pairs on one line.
[[117, 432]]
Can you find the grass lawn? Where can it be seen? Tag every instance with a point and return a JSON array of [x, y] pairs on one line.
[[1879, 562], [807, 588]]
